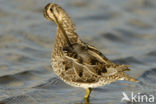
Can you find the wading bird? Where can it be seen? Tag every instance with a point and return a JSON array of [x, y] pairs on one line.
[[77, 63]]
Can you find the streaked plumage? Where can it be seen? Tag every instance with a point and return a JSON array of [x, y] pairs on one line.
[[77, 63]]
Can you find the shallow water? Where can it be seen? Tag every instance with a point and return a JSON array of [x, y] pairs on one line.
[[124, 30]]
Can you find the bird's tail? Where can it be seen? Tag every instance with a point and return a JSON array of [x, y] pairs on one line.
[[131, 79]]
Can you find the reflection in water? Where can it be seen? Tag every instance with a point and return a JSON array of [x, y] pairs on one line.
[[86, 101]]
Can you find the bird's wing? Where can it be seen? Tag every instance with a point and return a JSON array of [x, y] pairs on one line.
[[105, 66], [92, 60], [93, 50]]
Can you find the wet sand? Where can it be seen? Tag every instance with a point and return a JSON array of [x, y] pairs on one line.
[[124, 30]]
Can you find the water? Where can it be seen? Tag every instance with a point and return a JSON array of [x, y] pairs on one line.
[[124, 30]]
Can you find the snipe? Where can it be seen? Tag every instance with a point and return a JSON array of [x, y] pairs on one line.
[[77, 63]]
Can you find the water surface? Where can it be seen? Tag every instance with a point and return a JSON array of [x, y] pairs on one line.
[[124, 30]]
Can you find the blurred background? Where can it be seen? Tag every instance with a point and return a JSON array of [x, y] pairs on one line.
[[124, 30]]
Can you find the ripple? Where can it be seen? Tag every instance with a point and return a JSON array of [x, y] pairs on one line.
[[18, 57], [112, 37], [128, 60], [21, 99], [139, 24], [152, 53], [101, 16], [20, 80], [148, 79], [127, 34], [149, 75], [53, 83]]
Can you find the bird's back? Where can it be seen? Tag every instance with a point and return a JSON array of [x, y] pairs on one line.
[[82, 65]]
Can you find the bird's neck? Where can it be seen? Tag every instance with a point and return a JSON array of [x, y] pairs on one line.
[[65, 32]]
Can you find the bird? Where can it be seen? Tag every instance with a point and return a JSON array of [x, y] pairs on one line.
[[77, 63]]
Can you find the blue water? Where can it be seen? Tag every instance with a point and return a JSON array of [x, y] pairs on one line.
[[124, 30]]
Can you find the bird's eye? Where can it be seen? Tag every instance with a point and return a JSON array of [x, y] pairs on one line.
[[51, 9]]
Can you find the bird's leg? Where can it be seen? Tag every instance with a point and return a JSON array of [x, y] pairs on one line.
[[88, 91], [86, 101]]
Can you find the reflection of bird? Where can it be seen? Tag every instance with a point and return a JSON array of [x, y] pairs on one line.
[[125, 98], [77, 63]]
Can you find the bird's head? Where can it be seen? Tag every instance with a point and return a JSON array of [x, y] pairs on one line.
[[54, 12]]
